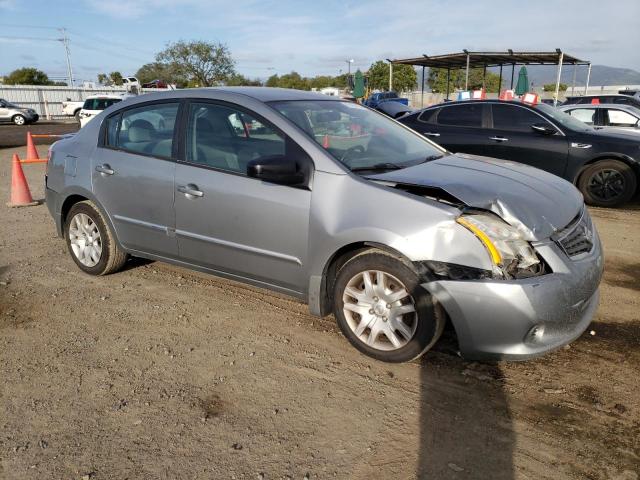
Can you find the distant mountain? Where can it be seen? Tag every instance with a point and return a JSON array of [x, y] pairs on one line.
[[543, 74], [600, 75]]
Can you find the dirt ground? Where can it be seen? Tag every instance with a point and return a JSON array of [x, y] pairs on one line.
[[160, 373]]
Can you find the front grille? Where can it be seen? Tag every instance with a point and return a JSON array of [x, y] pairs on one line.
[[577, 237]]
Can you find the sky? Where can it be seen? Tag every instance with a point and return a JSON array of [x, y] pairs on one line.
[[310, 37]]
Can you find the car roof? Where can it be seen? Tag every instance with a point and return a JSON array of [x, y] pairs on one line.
[[619, 106], [600, 95]]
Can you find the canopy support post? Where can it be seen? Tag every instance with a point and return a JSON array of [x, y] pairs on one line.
[[484, 76], [513, 70], [466, 81], [586, 86], [573, 85], [500, 81], [448, 77], [560, 59], [390, 76], [422, 92]]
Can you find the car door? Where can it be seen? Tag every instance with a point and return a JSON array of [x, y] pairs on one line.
[[514, 138], [4, 111], [227, 221], [133, 176], [457, 127]]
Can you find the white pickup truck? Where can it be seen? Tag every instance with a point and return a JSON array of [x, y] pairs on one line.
[[72, 109]]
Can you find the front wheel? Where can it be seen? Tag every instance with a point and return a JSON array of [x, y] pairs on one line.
[[90, 241], [19, 120], [382, 309], [607, 183]]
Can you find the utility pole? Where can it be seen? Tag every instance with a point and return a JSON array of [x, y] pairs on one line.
[[65, 42]]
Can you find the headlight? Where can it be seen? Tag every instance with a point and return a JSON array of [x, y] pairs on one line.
[[511, 255]]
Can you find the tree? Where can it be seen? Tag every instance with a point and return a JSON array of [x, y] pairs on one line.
[[238, 80], [404, 77], [201, 63], [27, 76], [437, 80], [551, 87], [160, 71], [114, 78]]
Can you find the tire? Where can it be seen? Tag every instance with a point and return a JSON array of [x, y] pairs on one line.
[[110, 257], [422, 327], [19, 120], [607, 183]]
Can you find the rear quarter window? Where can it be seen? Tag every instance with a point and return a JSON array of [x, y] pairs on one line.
[[463, 115]]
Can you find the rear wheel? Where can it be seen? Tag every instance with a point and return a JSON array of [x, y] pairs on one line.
[[382, 309], [19, 119], [90, 241], [607, 183]]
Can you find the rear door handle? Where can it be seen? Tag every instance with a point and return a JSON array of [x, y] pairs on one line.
[[431, 134], [105, 169], [499, 139], [190, 191]]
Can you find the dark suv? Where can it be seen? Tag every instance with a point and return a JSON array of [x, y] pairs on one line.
[[622, 99], [604, 166]]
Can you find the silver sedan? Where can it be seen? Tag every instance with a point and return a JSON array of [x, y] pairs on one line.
[[339, 206]]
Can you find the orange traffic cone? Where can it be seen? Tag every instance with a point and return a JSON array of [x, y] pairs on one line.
[[20, 194], [32, 153], [325, 141]]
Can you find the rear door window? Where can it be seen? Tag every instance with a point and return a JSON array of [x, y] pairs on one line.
[[586, 115], [148, 129], [462, 115], [514, 118]]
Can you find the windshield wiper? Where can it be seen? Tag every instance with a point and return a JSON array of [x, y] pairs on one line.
[[378, 167]]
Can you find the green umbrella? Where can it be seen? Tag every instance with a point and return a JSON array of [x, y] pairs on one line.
[[523, 82], [358, 85]]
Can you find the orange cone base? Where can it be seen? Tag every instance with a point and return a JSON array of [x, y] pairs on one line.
[[17, 205]]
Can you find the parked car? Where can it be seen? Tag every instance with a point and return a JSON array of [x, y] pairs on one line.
[[155, 84], [610, 116], [376, 99], [603, 165], [393, 109], [339, 206], [72, 109], [95, 104], [10, 112], [619, 99]]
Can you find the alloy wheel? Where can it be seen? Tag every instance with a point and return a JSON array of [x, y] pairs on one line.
[[380, 310], [85, 240], [606, 184]]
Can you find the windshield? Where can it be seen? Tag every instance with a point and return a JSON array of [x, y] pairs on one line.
[[358, 137], [564, 118]]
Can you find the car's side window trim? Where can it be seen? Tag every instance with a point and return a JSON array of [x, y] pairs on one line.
[[102, 137], [181, 156]]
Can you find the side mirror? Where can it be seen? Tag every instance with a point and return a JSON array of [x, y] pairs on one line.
[[543, 129], [275, 169]]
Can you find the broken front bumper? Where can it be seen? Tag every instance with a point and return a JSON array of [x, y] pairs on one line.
[[521, 319]]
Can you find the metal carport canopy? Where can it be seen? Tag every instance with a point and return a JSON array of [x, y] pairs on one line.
[[466, 60]]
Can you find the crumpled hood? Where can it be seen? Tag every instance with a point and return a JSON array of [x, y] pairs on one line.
[[536, 202]]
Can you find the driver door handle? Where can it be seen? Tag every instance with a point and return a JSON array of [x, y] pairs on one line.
[[190, 191], [431, 134], [105, 169], [499, 139]]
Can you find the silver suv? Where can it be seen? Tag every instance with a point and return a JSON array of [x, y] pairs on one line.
[[339, 206], [10, 112]]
